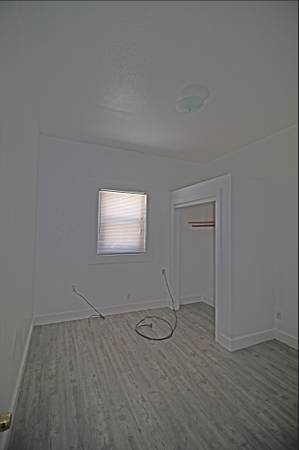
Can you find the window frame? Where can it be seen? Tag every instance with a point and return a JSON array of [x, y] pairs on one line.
[[122, 191], [95, 258]]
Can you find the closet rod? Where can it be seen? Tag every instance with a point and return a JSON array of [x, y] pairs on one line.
[[201, 222], [203, 225]]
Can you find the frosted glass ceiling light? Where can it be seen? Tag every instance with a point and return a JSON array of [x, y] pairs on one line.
[[192, 98]]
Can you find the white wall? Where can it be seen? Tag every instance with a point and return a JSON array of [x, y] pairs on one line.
[[18, 152], [273, 160], [197, 254], [69, 175], [254, 268], [286, 222]]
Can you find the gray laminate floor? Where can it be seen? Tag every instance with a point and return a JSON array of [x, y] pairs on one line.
[[100, 386]]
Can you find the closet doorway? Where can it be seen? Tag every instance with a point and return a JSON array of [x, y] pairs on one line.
[[197, 260], [214, 195]]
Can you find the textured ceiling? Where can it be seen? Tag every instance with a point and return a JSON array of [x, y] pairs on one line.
[[110, 73]]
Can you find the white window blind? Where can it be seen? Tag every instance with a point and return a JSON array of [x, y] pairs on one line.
[[121, 222]]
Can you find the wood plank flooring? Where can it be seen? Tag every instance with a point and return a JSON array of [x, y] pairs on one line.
[[97, 385]]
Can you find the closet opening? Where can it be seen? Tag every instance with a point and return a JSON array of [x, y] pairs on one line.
[[196, 271], [214, 198]]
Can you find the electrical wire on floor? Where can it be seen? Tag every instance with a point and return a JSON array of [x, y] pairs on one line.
[[98, 314], [147, 321]]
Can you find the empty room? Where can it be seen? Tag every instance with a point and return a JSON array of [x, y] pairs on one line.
[[149, 216]]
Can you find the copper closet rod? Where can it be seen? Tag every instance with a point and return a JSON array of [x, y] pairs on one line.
[[202, 223]]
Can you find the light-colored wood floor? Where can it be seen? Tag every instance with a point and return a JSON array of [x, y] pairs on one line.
[[101, 386]]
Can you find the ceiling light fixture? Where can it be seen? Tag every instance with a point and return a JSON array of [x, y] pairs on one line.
[[192, 98]]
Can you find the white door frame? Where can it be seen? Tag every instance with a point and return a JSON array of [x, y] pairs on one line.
[[217, 190]]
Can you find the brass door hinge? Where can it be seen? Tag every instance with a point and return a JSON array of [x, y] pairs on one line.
[[5, 421]]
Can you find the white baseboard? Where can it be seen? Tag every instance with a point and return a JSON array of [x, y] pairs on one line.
[[132, 307], [208, 301], [252, 339], [248, 340], [13, 404], [286, 338], [196, 299], [190, 299], [224, 341], [44, 319]]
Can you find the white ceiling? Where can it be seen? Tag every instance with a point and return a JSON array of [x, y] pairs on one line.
[[109, 73]]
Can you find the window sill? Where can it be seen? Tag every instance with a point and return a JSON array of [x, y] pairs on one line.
[[120, 259]]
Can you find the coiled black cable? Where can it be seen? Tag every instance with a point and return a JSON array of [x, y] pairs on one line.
[[142, 323]]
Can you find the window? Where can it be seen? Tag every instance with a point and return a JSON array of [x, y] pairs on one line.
[[121, 222]]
